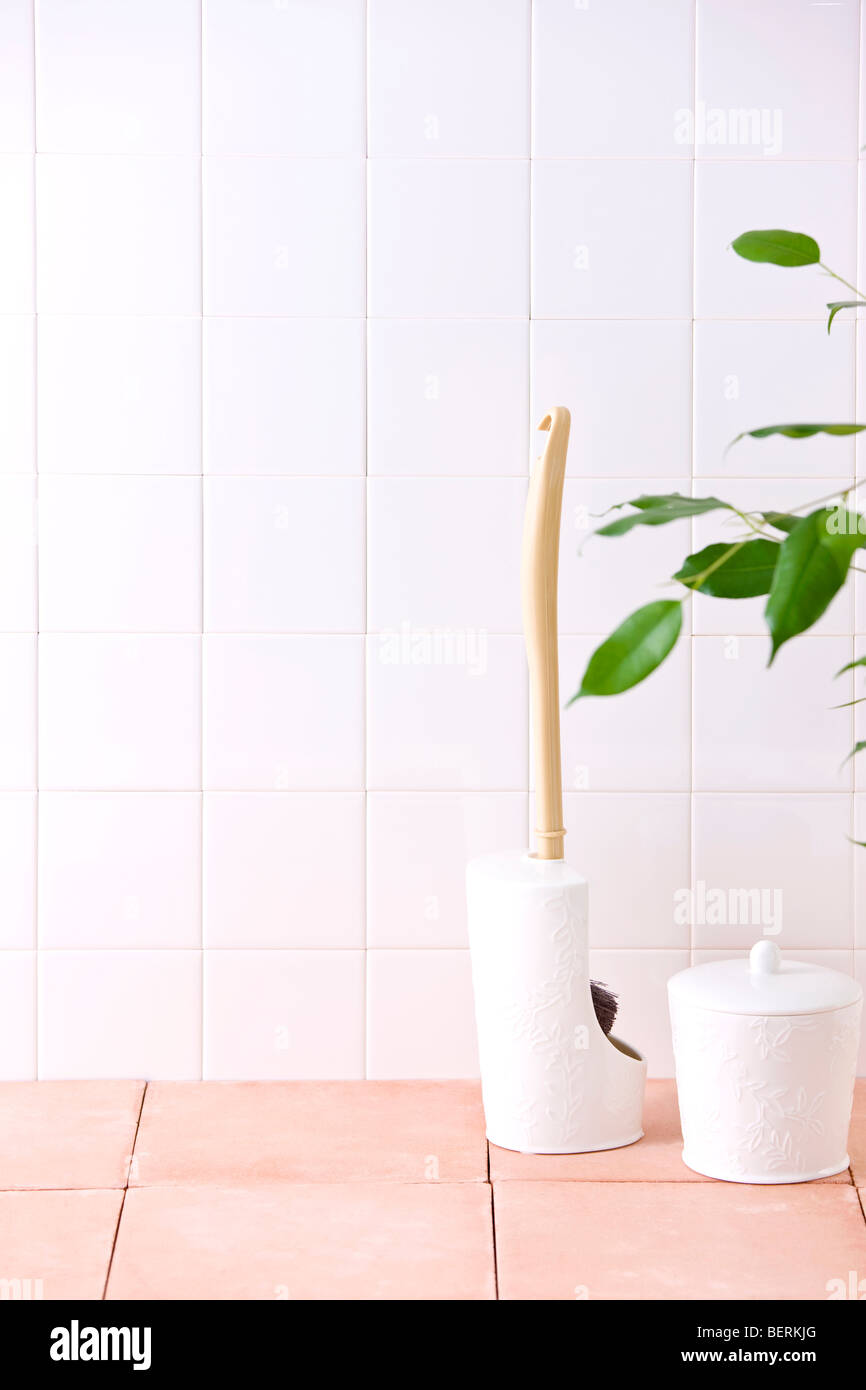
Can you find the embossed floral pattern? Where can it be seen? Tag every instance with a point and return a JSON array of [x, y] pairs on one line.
[[765, 1097]]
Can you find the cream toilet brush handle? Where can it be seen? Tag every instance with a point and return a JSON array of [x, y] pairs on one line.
[[539, 575]]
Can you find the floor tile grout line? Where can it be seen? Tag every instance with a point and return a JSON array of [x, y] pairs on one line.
[[493, 1227], [131, 1160]]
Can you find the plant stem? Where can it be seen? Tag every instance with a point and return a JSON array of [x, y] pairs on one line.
[[841, 279]]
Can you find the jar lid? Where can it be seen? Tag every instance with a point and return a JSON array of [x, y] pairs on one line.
[[764, 983]]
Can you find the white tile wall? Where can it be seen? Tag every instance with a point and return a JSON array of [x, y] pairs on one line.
[[306, 275]]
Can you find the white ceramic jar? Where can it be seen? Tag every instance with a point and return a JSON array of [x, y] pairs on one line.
[[766, 1053], [552, 1081]]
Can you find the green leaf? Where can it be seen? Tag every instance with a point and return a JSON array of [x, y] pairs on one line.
[[746, 573], [657, 510], [858, 748], [783, 521], [836, 304], [811, 568], [778, 248], [634, 650], [796, 431], [861, 661]]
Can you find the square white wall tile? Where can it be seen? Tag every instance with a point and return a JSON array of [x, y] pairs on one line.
[[597, 90], [759, 729], [584, 263], [860, 374], [735, 196], [604, 578], [17, 871], [120, 1014], [17, 553], [119, 712], [776, 866], [283, 713], [283, 395], [637, 741], [418, 846], [448, 238], [449, 78], [17, 1015], [859, 731], [119, 869], [283, 77], [634, 850], [420, 1015], [17, 265], [119, 395], [860, 974], [16, 76], [447, 396], [277, 1015], [584, 364], [640, 979], [723, 616], [283, 236], [119, 554], [119, 78], [859, 833], [269, 869], [118, 234], [446, 711], [17, 711], [752, 374], [795, 65], [17, 393], [444, 553], [284, 555]]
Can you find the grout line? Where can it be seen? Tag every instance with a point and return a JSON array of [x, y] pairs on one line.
[[493, 1228], [125, 1190]]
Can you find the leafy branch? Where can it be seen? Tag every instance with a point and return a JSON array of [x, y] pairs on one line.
[[799, 558]]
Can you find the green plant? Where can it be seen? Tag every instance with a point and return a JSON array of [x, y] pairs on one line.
[[799, 558]]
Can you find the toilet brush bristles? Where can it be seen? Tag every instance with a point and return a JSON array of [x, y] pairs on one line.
[[604, 1002]]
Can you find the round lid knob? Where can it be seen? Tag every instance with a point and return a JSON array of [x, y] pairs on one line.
[[765, 958]]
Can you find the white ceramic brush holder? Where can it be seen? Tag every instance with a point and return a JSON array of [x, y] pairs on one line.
[[552, 1081], [766, 1054]]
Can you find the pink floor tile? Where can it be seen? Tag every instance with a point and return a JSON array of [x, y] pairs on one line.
[[62, 1239], [306, 1241], [857, 1136], [332, 1131], [655, 1158], [563, 1240], [67, 1133]]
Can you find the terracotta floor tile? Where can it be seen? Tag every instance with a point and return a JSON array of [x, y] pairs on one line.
[[332, 1131], [563, 1240], [306, 1240], [655, 1158], [67, 1133], [857, 1136], [63, 1239]]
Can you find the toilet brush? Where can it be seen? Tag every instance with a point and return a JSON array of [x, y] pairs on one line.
[[554, 1079], [540, 577]]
